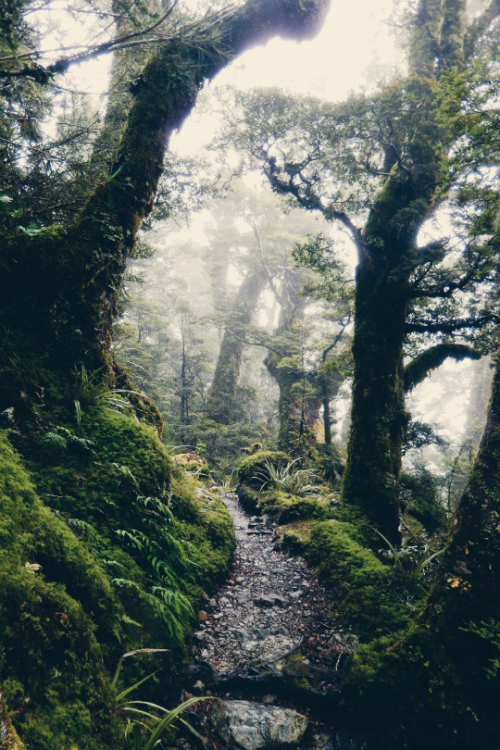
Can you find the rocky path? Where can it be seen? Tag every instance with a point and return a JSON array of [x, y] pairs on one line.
[[268, 634], [271, 602]]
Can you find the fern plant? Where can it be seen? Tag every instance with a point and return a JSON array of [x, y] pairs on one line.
[[418, 563], [167, 559]]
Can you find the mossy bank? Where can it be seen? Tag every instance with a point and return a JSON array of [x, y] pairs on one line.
[[105, 549]]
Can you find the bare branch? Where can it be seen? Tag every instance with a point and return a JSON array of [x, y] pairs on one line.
[[43, 74]]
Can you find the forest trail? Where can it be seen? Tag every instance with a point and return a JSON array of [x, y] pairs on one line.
[[268, 635]]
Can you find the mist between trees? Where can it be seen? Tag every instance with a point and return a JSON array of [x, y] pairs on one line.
[[269, 311]]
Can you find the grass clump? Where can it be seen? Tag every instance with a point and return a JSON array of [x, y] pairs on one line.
[[253, 468]]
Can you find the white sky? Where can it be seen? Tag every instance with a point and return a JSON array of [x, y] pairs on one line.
[[353, 47]]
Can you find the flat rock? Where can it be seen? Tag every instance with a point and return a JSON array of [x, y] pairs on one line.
[[255, 726]]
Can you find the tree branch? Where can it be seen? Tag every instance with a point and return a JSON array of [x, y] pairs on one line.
[[311, 202], [43, 74], [452, 326], [480, 27], [420, 367]]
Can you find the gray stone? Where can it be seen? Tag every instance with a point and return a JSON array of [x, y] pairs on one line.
[[254, 726], [240, 633], [271, 600], [258, 634]]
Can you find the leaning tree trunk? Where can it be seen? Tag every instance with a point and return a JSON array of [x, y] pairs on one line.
[[441, 678], [125, 70], [59, 289], [222, 405]]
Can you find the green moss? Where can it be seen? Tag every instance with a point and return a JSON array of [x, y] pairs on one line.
[[94, 597], [252, 470], [296, 536], [368, 594], [302, 509], [249, 499], [51, 662]]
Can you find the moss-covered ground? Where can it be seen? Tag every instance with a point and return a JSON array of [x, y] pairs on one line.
[[105, 548]]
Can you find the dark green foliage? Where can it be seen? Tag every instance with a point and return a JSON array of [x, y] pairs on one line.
[[420, 497], [419, 434], [252, 470], [218, 443]]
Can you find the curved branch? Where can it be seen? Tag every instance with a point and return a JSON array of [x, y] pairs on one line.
[[311, 202], [420, 367]]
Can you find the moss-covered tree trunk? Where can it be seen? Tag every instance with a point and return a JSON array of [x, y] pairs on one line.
[[441, 678], [222, 404], [378, 411], [59, 289], [388, 256]]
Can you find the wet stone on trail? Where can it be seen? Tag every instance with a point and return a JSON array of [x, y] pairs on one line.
[[255, 726]]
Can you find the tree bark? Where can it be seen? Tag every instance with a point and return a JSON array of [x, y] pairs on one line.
[[378, 416], [9, 739]]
